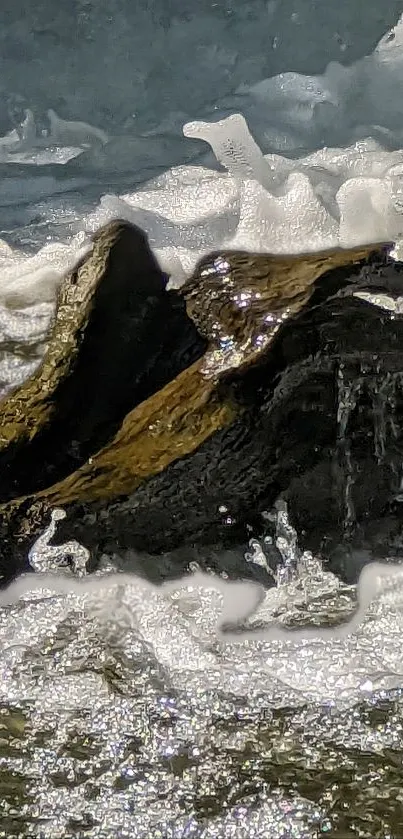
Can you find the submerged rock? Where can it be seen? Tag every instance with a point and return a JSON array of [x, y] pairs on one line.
[[156, 436]]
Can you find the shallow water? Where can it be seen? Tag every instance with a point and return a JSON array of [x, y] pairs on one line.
[[122, 711]]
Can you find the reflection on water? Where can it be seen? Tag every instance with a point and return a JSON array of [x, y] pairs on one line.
[[123, 714]]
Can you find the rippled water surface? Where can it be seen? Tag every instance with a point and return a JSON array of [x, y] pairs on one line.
[[123, 711]]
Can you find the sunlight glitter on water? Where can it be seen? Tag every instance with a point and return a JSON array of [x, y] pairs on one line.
[[114, 691], [124, 709], [309, 624]]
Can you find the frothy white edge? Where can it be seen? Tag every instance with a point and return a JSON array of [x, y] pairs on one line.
[[240, 599]]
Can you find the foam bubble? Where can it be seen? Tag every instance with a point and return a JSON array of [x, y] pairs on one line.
[[65, 140], [328, 199], [184, 623], [28, 280], [266, 220], [332, 197]]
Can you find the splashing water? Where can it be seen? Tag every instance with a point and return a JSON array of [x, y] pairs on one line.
[[23, 145], [288, 561], [300, 579], [113, 691], [383, 390], [124, 710], [348, 394], [262, 203], [44, 557]]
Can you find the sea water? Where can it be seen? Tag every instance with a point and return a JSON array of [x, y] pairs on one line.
[[204, 708]]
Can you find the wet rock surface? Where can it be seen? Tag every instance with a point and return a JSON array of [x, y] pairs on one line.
[[165, 423], [100, 362]]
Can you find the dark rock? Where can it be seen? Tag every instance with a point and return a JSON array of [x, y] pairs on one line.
[[181, 449], [118, 337]]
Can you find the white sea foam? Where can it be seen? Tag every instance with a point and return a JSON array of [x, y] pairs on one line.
[[183, 624], [206, 624], [110, 657], [113, 657], [64, 140], [34, 279], [328, 198], [332, 197]]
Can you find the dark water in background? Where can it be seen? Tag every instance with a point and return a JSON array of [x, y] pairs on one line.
[[118, 63], [120, 713]]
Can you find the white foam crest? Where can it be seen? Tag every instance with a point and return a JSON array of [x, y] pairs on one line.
[[328, 199], [266, 220], [64, 140], [15, 370], [233, 147], [188, 194], [25, 325], [331, 198], [182, 623], [71, 132], [292, 111], [28, 280], [368, 212]]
